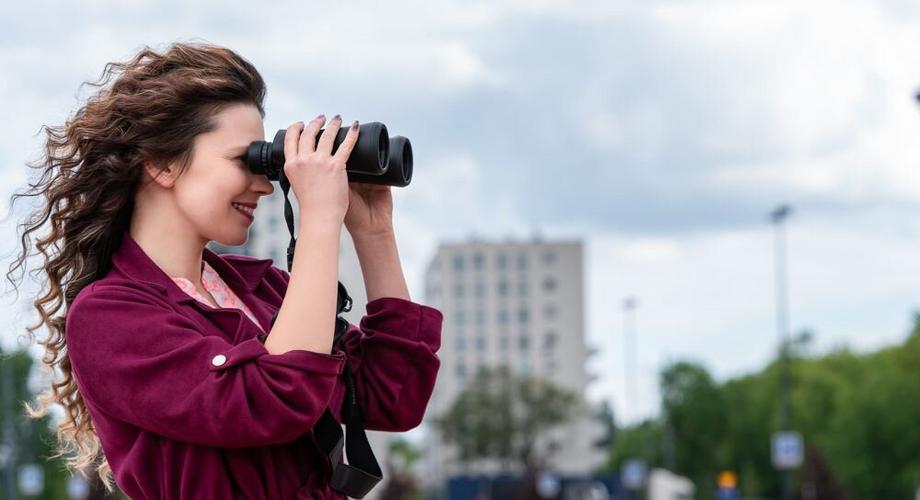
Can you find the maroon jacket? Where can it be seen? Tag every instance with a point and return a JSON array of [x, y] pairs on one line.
[[188, 403]]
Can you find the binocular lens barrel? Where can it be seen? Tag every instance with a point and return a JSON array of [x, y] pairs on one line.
[[376, 158]]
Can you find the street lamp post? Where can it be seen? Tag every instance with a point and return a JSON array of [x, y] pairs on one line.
[[634, 471], [629, 351], [778, 217]]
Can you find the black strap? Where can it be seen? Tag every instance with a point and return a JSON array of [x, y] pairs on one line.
[[288, 218], [362, 472]]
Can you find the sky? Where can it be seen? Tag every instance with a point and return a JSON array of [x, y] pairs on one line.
[[660, 133]]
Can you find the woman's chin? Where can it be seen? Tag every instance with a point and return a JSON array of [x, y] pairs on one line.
[[234, 240]]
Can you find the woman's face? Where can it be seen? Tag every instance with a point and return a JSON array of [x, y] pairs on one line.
[[217, 178]]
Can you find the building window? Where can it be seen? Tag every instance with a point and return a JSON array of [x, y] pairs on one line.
[[459, 318], [549, 284], [523, 315], [478, 261], [549, 257], [458, 263], [480, 289], [501, 261], [503, 316], [549, 311], [523, 342], [460, 343], [458, 290], [522, 262], [503, 343], [481, 343], [503, 288], [550, 340], [522, 289], [480, 317], [461, 371]]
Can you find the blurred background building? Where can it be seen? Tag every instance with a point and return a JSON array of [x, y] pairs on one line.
[[514, 304]]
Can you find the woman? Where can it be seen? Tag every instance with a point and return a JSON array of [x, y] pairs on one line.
[[170, 360]]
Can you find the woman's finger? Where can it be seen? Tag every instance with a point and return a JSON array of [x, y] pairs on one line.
[[328, 137], [307, 143], [348, 144], [290, 139]]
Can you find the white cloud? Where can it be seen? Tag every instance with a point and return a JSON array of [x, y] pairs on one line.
[[827, 86]]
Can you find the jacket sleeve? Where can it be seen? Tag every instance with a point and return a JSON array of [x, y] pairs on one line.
[[138, 360], [392, 355]]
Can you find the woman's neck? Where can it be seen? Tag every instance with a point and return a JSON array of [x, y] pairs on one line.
[[175, 249]]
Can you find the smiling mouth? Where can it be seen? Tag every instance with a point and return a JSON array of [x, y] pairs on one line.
[[244, 210]]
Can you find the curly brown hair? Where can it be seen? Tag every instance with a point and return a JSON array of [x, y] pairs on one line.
[[91, 169]]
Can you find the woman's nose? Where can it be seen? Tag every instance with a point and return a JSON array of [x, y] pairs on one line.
[[263, 185]]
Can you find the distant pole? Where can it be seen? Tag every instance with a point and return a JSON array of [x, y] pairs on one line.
[[668, 438], [629, 352], [778, 217]]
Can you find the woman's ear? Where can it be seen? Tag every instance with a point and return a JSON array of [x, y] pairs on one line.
[[166, 178]]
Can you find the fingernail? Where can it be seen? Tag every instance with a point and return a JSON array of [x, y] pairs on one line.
[[354, 126], [320, 116], [337, 117]]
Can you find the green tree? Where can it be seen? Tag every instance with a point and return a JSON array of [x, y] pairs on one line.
[[637, 441], [608, 423], [502, 416], [400, 482], [32, 438], [857, 414], [696, 413]]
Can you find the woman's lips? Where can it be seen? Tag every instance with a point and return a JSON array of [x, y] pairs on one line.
[[245, 214]]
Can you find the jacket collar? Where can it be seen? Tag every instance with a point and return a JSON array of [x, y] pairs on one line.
[[242, 274]]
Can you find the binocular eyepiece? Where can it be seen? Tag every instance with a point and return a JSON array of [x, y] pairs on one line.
[[376, 158]]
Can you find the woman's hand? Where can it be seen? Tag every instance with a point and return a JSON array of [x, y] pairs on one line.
[[370, 209], [318, 176], [369, 220]]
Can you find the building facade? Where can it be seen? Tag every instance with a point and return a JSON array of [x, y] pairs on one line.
[[519, 305]]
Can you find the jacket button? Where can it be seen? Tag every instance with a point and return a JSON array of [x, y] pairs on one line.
[[219, 360]]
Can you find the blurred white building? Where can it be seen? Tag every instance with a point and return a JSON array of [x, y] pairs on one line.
[[521, 305]]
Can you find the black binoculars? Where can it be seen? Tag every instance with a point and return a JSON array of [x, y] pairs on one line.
[[376, 158]]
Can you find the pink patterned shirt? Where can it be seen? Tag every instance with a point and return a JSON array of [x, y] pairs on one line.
[[222, 293]]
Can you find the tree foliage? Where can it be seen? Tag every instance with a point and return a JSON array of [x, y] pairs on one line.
[[504, 417], [32, 440], [858, 415]]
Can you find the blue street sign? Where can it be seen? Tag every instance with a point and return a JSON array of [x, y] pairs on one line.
[[787, 450]]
